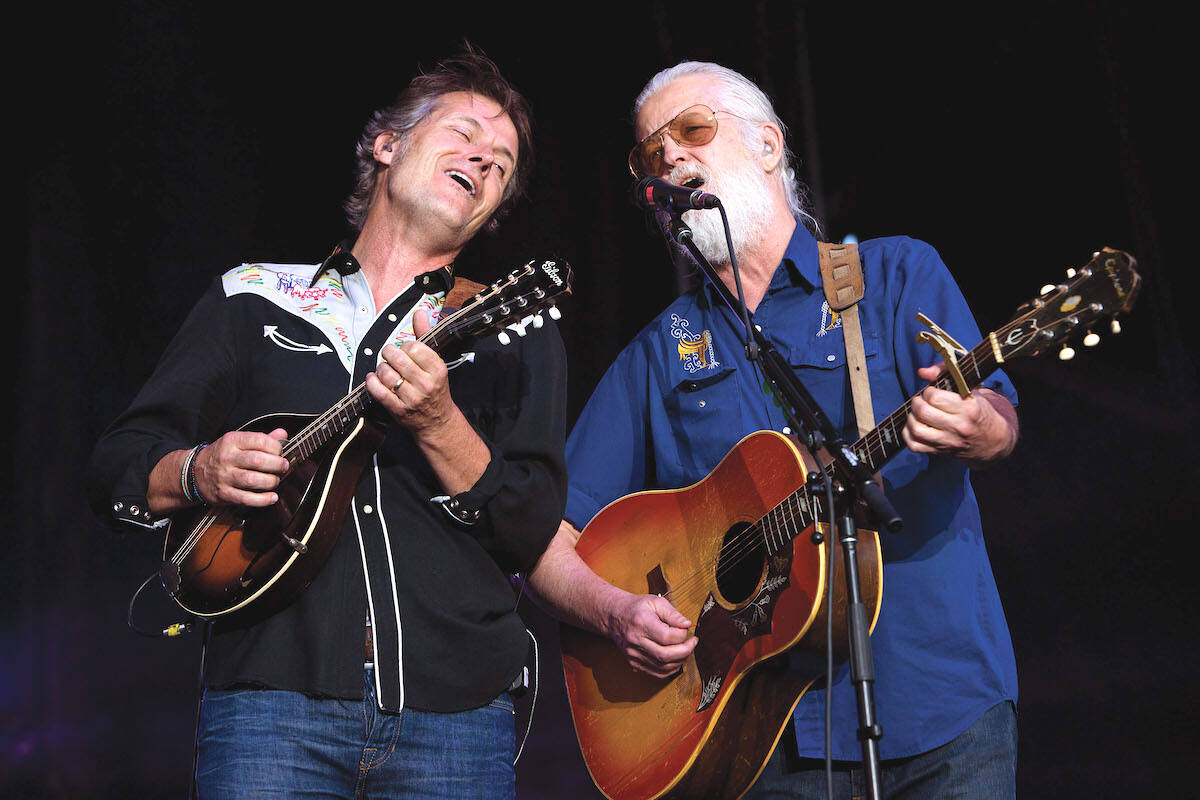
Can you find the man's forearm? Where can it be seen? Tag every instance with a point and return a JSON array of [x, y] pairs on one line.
[[455, 453], [567, 588]]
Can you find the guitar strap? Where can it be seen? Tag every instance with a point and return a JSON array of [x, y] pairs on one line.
[[462, 291], [842, 280]]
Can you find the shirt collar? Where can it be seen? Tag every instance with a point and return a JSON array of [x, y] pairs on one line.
[[344, 263], [799, 266]]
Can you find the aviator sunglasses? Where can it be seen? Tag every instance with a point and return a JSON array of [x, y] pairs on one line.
[[692, 127]]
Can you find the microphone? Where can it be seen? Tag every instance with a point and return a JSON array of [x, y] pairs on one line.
[[652, 192]]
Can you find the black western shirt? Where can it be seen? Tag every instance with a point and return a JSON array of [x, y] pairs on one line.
[[268, 338]]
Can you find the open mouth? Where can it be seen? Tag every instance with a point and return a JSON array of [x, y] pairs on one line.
[[694, 183], [463, 180]]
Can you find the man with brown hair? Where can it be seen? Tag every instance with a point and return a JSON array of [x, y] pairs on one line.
[[466, 489]]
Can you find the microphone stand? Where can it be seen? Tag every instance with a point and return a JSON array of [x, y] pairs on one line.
[[855, 481]]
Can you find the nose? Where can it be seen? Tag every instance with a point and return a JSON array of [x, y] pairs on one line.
[[673, 152], [484, 160]]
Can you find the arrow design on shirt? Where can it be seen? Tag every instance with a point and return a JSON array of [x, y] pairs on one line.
[[272, 332]]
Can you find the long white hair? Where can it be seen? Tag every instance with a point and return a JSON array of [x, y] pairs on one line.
[[740, 96]]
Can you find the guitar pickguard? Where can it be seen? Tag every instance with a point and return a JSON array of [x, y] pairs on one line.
[[724, 632]]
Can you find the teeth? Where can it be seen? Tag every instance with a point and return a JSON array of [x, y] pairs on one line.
[[463, 179]]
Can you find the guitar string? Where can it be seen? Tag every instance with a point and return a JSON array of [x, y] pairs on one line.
[[746, 542], [891, 421]]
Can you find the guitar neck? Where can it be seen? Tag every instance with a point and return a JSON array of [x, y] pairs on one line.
[[1105, 287], [803, 507], [880, 444]]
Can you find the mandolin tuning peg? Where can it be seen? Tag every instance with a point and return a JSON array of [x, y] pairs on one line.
[[504, 337], [554, 313], [1067, 353], [1091, 340], [538, 321], [1047, 289], [1071, 272], [1115, 326], [520, 326]]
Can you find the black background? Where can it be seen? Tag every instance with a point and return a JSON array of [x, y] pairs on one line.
[[160, 144]]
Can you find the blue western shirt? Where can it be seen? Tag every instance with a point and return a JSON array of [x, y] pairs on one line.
[[681, 395]]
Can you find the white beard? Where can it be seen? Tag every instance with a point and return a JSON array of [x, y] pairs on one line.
[[745, 195]]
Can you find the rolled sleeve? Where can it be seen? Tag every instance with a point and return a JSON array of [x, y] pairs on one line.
[[515, 506]]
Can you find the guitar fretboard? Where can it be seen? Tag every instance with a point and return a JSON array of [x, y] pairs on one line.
[[883, 442], [801, 509]]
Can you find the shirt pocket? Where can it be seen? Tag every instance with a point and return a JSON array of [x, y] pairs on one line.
[[821, 366], [706, 419]]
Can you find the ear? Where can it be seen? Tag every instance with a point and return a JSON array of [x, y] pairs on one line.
[[385, 147], [772, 147]]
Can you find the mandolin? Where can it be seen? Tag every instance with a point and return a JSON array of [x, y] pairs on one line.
[[228, 560]]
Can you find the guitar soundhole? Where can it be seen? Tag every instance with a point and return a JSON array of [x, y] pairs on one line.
[[740, 567]]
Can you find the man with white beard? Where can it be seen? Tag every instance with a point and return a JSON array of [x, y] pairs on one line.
[[682, 394]]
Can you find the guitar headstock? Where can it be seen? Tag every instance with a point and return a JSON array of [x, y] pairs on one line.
[[512, 303], [1102, 289]]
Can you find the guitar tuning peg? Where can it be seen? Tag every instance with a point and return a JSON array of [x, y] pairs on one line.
[[504, 337], [1115, 326], [1091, 340], [1067, 353], [1071, 272], [554, 313], [1047, 289], [538, 321]]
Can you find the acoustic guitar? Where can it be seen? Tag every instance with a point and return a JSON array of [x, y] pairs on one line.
[[233, 560], [736, 554]]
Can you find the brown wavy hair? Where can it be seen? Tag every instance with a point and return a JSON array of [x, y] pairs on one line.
[[471, 71]]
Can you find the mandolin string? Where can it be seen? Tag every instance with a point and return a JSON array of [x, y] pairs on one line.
[[357, 395], [190, 542], [463, 319]]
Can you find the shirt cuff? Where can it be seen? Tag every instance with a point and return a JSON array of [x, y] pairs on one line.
[[466, 508]]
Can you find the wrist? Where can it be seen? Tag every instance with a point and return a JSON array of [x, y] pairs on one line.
[[187, 477]]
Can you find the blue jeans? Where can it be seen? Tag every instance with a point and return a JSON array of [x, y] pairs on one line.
[[979, 763], [275, 744]]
